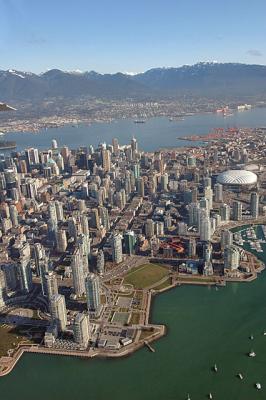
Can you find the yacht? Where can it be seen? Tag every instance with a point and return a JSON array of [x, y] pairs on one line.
[[264, 333], [240, 376], [251, 337], [210, 396], [188, 397], [258, 385], [252, 353], [215, 368]]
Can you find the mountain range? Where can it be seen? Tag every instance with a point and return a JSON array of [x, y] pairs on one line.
[[208, 80]]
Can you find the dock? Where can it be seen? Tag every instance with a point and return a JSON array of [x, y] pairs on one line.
[[149, 347]]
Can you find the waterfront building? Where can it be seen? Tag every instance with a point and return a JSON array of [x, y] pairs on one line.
[[226, 238], [81, 330], [58, 311], [192, 247], [231, 257]]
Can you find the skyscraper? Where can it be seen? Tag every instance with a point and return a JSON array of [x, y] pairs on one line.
[[78, 273], [149, 228], [218, 192], [254, 205], [117, 253], [237, 211], [225, 212], [231, 257], [100, 262], [205, 229], [226, 238], [58, 311], [61, 241], [129, 242], [81, 330], [93, 293]]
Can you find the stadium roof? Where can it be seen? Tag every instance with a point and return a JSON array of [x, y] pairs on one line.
[[237, 177]]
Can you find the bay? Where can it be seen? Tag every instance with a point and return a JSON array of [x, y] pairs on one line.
[[154, 134]]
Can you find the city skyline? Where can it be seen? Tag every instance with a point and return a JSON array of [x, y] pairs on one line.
[[37, 37]]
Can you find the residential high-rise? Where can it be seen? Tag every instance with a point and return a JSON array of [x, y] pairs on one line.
[[226, 238], [58, 311], [254, 205], [117, 253], [231, 257], [13, 215], [225, 212], [115, 146], [78, 273], [50, 285], [140, 187], [93, 292], [81, 330], [59, 210], [100, 262], [205, 229], [218, 192], [106, 160], [192, 248], [237, 211], [149, 228]]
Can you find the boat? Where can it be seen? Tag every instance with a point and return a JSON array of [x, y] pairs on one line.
[[2, 134], [215, 368], [210, 396], [5, 145], [139, 121], [188, 397], [264, 333], [251, 337], [240, 376], [258, 385], [252, 353]]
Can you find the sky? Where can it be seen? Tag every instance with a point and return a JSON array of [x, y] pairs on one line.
[[129, 36]]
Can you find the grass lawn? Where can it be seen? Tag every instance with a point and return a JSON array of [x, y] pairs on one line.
[[163, 285], [146, 275], [9, 339]]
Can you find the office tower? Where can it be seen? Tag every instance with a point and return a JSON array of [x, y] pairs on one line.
[[140, 187], [129, 242], [93, 292], [159, 228], [58, 311], [192, 247], [115, 146], [237, 211], [191, 161], [72, 227], [231, 257], [100, 262], [207, 181], [78, 272], [106, 160], [52, 230], [84, 224], [182, 228], [39, 254], [24, 274], [205, 204], [193, 213], [65, 154], [52, 211], [50, 286], [218, 192], [254, 205], [205, 228], [225, 212], [81, 205], [226, 238], [94, 219], [47, 172], [117, 254], [54, 144], [134, 146], [59, 210], [149, 228], [81, 330], [32, 156], [13, 215], [61, 241], [164, 182], [104, 218], [208, 194], [167, 219], [194, 195], [207, 257], [136, 170], [3, 291]]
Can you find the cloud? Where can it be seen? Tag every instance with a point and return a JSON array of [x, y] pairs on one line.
[[254, 53]]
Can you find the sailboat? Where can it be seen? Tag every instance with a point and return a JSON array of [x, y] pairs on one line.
[[215, 368]]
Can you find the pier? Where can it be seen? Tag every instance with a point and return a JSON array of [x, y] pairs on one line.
[[149, 347]]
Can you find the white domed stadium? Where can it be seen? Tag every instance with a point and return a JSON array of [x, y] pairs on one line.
[[237, 178]]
